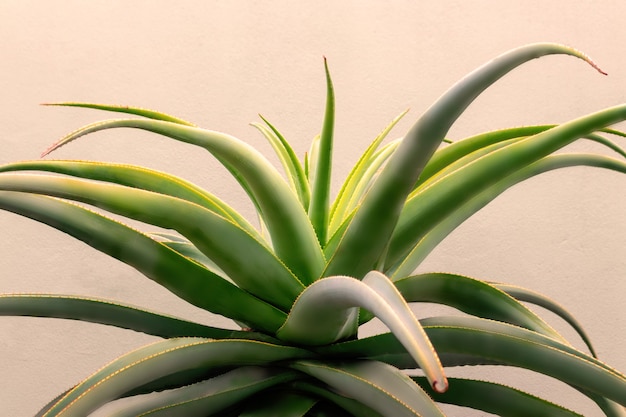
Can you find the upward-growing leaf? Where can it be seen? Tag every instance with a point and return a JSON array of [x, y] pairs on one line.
[[367, 236], [293, 236], [320, 189]]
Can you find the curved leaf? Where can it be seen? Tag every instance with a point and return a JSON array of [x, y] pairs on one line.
[[326, 311], [293, 236], [435, 228], [280, 403], [473, 297], [495, 399], [367, 237], [138, 177], [161, 359], [210, 396], [340, 208], [113, 313], [250, 264], [289, 160], [523, 294], [150, 114], [444, 196], [379, 386], [185, 278]]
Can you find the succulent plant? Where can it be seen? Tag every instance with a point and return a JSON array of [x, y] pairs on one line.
[[302, 282]]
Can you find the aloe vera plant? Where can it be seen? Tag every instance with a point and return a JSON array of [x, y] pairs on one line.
[[302, 283]]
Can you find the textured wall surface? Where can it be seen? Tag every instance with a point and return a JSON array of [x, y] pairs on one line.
[[220, 63]]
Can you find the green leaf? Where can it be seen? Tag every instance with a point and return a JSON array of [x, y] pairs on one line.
[[150, 114], [250, 264], [320, 189], [327, 310], [495, 399], [289, 160], [138, 177], [293, 236], [379, 386], [367, 237], [353, 407], [280, 403], [473, 297], [161, 359], [340, 207], [432, 215], [96, 310], [446, 156], [182, 276], [210, 396], [523, 294]]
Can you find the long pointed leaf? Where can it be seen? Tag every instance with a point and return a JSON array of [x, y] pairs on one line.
[[377, 385], [435, 227], [137, 177], [161, 359], [523, 294], [366, 239], [293, 236], [350, 405], [183, 277], [474, 297], [150, 114], [320, 189], [280, 403], [113, 313], [495, 399], [246, 261], [210, 396], [340, 208]]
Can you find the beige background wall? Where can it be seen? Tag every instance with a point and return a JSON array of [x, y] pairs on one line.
[[219, 63]]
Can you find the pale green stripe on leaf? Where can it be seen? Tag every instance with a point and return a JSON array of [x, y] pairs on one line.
[[293, 236], [340, 207], [366, 239], [246, 261], [473, 297], [161, 359], [298, 170], [182, 276], [523, 294], [210, 396], [379, 386]]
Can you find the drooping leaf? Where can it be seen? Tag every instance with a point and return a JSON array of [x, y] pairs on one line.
[[96, 310], [327, 310], [138, 177], [523, 294]]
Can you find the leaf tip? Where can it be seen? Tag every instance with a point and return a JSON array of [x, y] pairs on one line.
[[441, 385]]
